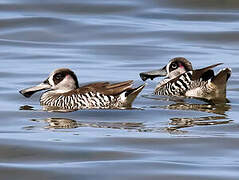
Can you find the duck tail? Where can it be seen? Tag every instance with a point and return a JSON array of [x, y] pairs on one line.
[[131, 94], [220, 80]]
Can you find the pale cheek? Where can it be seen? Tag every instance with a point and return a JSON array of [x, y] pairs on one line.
[[182, 70], [69, 81]]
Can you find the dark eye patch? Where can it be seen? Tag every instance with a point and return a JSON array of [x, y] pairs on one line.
[[58, 77], [173, 66]]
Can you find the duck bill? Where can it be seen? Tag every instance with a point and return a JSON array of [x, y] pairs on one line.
[[28, 92], [153, 74]]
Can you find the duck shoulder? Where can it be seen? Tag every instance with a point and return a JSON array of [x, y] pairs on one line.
[[105, 88]]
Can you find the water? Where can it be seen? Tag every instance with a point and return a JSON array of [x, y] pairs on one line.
[[160, 137]]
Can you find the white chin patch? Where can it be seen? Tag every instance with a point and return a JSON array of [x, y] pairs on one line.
[[50, 80]]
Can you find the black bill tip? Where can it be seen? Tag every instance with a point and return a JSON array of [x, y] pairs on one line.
[[145, 76], [153, 74], [26, 94]]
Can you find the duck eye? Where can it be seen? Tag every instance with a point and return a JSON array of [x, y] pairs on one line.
[[59, 76], [174, 65]]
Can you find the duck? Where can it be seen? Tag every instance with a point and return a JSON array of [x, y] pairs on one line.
[[182, 80], [64, 92]]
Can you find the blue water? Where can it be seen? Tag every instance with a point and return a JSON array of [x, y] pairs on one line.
[[160, 137]]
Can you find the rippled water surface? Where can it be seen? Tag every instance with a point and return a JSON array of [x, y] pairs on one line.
[[160, 137]]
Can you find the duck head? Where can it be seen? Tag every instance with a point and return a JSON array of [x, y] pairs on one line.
[[174, 68], [60, 81]]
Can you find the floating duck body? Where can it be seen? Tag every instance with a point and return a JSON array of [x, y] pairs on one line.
[[65, 93], [182, 80]]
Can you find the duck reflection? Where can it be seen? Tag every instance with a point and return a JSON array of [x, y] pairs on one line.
[[64, 123], [217, 106], [26, 107], [209, 108], [176, 124], [60, 123]]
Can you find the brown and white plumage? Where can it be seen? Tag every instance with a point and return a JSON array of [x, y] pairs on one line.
[[182, 80], [64, 92]]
